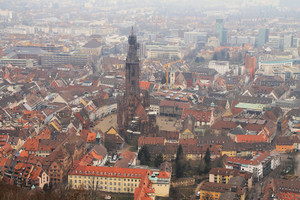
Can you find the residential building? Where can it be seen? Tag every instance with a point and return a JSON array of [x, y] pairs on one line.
[[221, 67], [211, 190], [120, 180], [160, 50], [223, 175], [260, 165], [282, 189]]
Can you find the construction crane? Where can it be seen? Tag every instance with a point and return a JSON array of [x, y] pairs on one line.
[[167, 69]]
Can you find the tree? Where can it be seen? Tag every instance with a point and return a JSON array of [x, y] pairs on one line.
[[179, 154], [207, 157], [144, 155], [158, 160], [207, 161], [180, 162], [200, 167], [180, 168]]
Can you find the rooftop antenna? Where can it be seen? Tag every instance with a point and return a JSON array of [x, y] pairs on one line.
[[132, 31]]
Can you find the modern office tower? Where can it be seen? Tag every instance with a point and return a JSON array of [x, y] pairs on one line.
[[221, 32], [263, 37], [287, 41]]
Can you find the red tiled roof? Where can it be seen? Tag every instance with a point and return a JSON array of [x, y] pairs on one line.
[[91, 137], [31, 145], [144, 85], [228, 172], [174, 104], [24, 154], [150, 140], [129, 155], [250, 138], [109, 171], [193, 141], [221, 124], [254, 161], [140, 112], [202, 116]]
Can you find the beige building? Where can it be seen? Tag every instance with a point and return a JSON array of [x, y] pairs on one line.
[[120, 180]]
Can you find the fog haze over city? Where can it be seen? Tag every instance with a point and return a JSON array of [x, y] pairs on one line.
[[150, 99]]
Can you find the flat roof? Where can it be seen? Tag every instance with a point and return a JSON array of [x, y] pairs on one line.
[[250, 106]]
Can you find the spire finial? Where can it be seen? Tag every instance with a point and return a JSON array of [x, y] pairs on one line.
[[132, 31]]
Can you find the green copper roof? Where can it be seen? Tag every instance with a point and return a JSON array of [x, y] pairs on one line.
[[250, 106]]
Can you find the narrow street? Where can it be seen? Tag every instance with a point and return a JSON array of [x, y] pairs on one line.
[[198, 188]]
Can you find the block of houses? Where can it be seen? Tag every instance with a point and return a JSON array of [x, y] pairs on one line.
[[202, 117], [143, 140], [287, 144], [126, 159], [112, 135], [212, 190], [172, 108], [143, 183], [223, 175], [260, 165], [96, 157], [283, 189]]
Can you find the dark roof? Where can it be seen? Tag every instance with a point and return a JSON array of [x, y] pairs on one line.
[[93, 44], [100, 149], [287, 185], [257, 100], [228, 196], [154, 101]]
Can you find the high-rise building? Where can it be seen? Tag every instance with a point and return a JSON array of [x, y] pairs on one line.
[[287, 41], [263, 37], [250, 65], [275, 42], [221, 32]]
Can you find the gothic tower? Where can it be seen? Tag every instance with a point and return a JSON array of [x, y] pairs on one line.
[[132, 87], [127, 105], [132, 77]]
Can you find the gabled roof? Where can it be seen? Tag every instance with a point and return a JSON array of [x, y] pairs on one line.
[[93, 44], [31, 145], [174, 104], [250, 138], [144, 85], [199, 115], [141, 112], [150, 140], [112, 131]]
